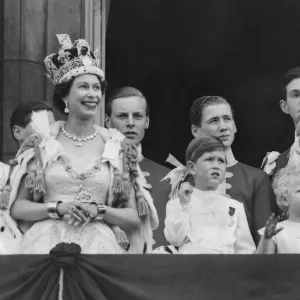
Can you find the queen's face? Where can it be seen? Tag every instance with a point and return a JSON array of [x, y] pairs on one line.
[[84, 97]]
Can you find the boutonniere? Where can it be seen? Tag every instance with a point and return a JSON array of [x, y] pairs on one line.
[[231, 214], [113, 147]]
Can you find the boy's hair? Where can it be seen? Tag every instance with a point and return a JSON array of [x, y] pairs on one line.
[[202, 102], [124, 92], [21, 115], [203, 144], [289, 76], [283, 182]]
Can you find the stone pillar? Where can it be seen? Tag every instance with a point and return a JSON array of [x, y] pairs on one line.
[[95, 31]]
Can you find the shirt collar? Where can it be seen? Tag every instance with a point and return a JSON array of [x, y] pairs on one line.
[[200, 193], [296, 137], [140, 155], [231, 161]]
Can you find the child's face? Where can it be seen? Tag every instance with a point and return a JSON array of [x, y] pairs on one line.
[[293, 199], [292, 104], [209, 170]]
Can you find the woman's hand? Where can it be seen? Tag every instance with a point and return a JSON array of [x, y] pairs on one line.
[[91, 211], [72, 211], [77, 213], [271, 229], [184, 193]]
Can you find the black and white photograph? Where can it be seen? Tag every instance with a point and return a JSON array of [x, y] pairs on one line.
[[149, 149]]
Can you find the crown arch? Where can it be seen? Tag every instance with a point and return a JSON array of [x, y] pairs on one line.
[[29, 35]]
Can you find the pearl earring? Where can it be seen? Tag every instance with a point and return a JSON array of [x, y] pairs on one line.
[[66, 108]]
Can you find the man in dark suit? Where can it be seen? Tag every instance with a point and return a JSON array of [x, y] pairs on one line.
[[128, 111], [249, 185], [290, 105]]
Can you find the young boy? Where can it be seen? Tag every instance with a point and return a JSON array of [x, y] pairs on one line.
[[202, 220]]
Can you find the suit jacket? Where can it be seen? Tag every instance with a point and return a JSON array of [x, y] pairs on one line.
[[160, 191], [282, 160], [252, 187]]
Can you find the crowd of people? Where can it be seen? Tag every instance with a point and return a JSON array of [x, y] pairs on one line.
[[73, 181]]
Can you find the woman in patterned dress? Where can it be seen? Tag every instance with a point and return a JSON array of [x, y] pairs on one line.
[[82, 173]]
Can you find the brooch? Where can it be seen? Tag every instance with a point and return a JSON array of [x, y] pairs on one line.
[[83, 195], [231, 214]]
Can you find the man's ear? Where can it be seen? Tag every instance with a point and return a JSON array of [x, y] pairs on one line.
[[196, 131], [147, 122], [191, 167], [234, 129], [284, 107], [284, 201], [107, 121], [17, 132]]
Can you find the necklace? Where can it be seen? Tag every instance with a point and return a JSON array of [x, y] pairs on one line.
[[79, 140]]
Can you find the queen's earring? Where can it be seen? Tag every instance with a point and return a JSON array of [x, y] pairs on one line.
[[66, 108]]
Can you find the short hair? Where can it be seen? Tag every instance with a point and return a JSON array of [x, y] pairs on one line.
[[62, 89], [283, 182], [21, 115], [202, 102], [289, 76], [205, 143], [125, 92]]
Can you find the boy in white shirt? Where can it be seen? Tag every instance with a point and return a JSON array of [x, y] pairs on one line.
[[202, 220]]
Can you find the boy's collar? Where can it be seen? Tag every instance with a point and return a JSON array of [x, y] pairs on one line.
[[201, 193]]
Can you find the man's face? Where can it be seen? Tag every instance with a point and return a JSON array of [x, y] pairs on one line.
[[291, 105], [128, 115], [217, 120], [22, 133]]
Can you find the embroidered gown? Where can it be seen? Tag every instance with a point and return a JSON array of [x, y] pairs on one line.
[[66, 178]]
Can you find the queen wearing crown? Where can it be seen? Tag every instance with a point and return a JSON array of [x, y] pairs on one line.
[[79, 182]]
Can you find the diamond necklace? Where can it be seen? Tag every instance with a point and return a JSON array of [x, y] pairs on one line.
[[77, 139]]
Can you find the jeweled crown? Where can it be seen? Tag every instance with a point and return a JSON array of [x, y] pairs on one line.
[[72, 60]]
